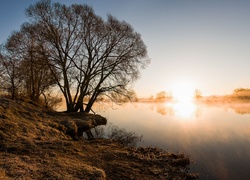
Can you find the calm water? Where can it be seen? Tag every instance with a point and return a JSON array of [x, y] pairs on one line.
[[216, 137]]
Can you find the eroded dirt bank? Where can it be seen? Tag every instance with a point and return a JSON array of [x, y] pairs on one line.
[[35, 145]]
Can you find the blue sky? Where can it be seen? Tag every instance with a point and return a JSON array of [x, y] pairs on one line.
[[206, 43]]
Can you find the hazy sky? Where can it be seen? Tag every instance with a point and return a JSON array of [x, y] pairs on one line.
[[206, 43]]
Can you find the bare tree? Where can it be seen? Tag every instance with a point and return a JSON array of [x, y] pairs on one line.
[[197, 93], [34, 68], [9, 76], [94, 57], [25, 64], [2, 72]]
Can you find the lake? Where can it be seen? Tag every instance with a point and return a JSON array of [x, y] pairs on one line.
[[216, 137]]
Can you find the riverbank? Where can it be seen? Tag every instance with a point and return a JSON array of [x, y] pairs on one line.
[[34, 145]]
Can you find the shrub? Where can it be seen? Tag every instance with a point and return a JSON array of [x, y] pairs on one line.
[[121, 135]]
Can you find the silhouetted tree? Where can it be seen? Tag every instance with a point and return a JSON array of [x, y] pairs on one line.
[[9, 76], [33, 72], [93, 56]]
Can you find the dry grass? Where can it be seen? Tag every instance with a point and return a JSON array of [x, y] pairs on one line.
[[33, 147]]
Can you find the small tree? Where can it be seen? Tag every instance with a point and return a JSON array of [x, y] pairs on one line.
[[161, 95], [198, 94]]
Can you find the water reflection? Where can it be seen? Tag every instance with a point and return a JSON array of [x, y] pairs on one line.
[[216, 137], [240, 108], [188, 109], [183, 110], [165, 109]]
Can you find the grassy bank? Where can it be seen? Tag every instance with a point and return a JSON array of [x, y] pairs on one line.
[[33, 145]]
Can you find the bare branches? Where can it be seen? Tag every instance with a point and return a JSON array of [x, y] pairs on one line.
[[26, 66], [93, 56]]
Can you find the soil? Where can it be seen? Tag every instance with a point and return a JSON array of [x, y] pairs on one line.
[[33, 147]]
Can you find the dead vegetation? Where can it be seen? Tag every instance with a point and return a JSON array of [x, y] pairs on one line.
[[32, 146]]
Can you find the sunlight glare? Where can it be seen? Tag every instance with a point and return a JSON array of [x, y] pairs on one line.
[[183, 91], [184, 109]]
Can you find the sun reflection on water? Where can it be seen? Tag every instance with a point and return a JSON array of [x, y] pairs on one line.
[[216, 139], [184, 109]]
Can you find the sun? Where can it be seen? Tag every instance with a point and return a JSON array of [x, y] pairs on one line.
[[183, 91]]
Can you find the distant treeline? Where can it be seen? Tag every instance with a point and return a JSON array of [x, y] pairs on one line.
[[241, 93]]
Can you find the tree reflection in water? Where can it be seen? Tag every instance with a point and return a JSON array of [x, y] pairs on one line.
[[178, 109]]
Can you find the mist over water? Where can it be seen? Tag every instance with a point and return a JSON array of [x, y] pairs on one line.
[[216, 137]]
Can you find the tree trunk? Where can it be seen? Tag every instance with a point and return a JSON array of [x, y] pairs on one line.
[[79, 104], [90, 103], [13, 89]]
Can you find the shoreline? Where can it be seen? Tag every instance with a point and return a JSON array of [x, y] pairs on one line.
[[33, 147]]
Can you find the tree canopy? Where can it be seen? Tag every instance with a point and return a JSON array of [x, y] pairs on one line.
[[87, 56]]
